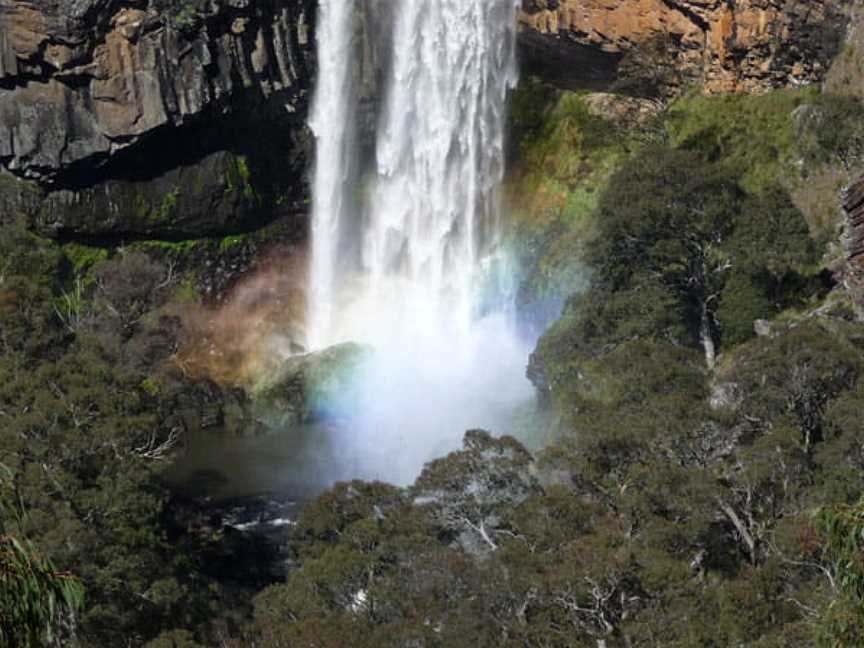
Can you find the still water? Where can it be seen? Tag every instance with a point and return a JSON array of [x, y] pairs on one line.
[[300, 462], [219, 466]]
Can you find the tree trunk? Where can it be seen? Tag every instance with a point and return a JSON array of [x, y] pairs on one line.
[[706, 338], [738, 523]]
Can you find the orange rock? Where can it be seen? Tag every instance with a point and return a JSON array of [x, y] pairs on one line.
[[722, 46]]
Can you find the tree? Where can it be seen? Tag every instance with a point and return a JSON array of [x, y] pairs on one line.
[[675, 218], [742, 302], [795, 375], [771, 236], [785, 386], [29, 272], [594, 324], [667, 215], [842, 531], [470, 491]]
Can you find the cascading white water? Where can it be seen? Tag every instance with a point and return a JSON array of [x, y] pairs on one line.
[[332, 123], [429, 291]]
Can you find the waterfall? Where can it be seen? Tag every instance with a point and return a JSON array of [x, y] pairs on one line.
[[332, 123], [428, 285]]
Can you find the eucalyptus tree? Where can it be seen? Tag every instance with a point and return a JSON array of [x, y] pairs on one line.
[[472, 490], [677, 219], [842, 531], [667, 216]]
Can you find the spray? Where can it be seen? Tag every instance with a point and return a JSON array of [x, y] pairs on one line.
[[432, 289]]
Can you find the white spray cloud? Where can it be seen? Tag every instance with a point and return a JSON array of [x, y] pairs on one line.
[[430, 287]]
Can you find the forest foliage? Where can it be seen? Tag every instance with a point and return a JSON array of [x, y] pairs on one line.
[[702, 485], [92, 409], [38, 603]]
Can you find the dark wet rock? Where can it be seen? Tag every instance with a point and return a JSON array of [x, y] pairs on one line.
[[253, 551], [207, 406], [81, 80], [211, 196], [18, 199], [853, 204], [154, 120]]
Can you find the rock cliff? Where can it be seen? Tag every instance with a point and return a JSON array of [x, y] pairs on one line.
[[84, 79], [853, 206], [178, 118], [660, 46], [165, 119]]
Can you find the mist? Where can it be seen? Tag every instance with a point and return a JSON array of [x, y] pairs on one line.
[[429, 285], [416, 267]]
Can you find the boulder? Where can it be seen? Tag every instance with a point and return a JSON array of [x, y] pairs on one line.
[[313, 387]]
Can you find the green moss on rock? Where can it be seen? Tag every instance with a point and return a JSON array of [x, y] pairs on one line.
[[166, 208], [84, 257], [564, 159], [239, 178]]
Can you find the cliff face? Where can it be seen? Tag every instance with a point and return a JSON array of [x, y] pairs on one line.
[[169, 119], [853, 238], [185, 118], [659, 46], [83, 79]]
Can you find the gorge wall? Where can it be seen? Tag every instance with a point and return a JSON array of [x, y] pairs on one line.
[[87, 79], [186, 118], [169, 119]]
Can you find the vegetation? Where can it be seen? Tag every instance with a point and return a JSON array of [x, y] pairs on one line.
[[831, 128], [183, 15], [166, 209], [702, 485], [842, 528], [240, 178], [664, 519], [565, 156], [91, 410], [754, 136], [673, 219], [38, 604]]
